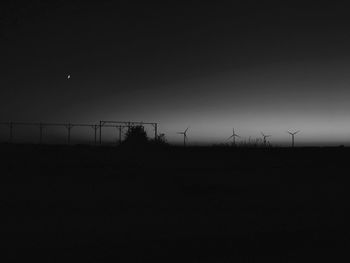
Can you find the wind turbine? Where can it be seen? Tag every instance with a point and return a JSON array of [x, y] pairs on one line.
[[185, 135], [233, 136], [292, 134], [264, 137]]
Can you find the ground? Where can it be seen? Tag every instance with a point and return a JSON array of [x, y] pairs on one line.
[[173, 204]]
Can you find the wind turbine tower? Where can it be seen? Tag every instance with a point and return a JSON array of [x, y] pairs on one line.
[[233, 136], [292, 134], [184, 133]]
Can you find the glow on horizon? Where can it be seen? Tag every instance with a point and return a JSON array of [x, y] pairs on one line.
[[300, 96], [273, 98]]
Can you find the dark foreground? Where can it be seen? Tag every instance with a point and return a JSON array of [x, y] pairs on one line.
[[80, 204]]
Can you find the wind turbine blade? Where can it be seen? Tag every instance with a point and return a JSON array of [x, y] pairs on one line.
[[230, 137], [187, 129], [262, 134]]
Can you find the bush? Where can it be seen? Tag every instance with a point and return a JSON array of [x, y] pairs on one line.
[[161, 139]]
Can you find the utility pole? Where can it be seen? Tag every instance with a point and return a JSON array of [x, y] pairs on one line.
[[155, 131], [100, 132], [41, 127], [120, 135], [95, 127], [11, 132], [69, 128]]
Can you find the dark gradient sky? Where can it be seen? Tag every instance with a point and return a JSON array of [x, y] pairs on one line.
[[249, 65]]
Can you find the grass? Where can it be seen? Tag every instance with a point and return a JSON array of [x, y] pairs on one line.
[[193, 204]]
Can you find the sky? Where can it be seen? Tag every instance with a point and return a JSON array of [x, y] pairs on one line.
[[253, 66]]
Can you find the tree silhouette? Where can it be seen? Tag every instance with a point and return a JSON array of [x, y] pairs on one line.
[[136, 135]]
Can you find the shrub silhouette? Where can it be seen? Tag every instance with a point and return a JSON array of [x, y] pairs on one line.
[[161, 139], [136, 135]]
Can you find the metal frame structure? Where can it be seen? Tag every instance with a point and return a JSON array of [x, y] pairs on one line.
[[120, 125], [43, 125]]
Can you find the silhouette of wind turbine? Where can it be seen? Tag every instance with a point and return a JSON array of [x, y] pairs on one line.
[[292, 134], [264, 137], [233, 136], [185, 135]]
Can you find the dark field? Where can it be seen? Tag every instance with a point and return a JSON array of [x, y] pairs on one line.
[[86, 204]]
